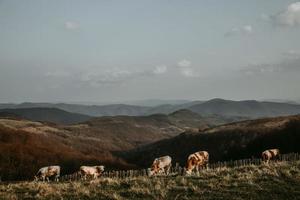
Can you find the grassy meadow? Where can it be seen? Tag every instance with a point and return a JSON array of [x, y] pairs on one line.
[[274, 181]]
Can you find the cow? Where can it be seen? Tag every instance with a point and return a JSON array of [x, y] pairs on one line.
[[270, 154], [161, 165], [92, 171], [47, 172], [196, 160]]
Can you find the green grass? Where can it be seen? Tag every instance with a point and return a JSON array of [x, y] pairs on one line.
[[273, 181]]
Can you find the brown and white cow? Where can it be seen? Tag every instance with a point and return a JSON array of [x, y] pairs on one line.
[[161, 165], [91, 171], [270, 154], [47, 172], [196, 160]]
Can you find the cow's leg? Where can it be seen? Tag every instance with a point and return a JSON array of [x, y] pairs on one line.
[[192, 169], [197, 169], [168, 169]]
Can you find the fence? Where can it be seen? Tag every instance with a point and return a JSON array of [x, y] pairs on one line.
[[178, 170]]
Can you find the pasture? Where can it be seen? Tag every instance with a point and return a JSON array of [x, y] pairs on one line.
[[277, 180]]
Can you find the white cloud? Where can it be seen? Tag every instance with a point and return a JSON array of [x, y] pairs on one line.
[[184, 63], [244, 30], [289, 17], [186, 69], [247, 29], [70, 25], [292, 53], [160, 69], [286, 65], [117, 76], [105, 77], [188, 72]]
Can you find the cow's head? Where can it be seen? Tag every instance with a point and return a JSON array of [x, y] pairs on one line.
[[100, 169], [154, 168], [266, 155], [150, 172]]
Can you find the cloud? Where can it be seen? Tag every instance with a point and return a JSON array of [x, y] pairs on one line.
[[290, 17], [71, 25], [184, 63], [291, 64], [186, 69], [105, 77], [244, 30], [188, 72], [117, 76], [57, 74], [160, 69], [292, 54]]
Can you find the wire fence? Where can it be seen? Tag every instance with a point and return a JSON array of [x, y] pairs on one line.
[[177, 170]]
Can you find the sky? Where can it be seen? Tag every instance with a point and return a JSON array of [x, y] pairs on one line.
[[113, 50]]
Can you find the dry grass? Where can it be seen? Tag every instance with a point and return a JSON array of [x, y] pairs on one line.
[[274, 181]]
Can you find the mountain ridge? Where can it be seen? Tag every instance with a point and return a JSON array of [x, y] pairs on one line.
[[245, 108]]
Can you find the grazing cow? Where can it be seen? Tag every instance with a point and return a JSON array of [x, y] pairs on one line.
[[161, 165], [197, 160], [270, 154], [92, 171], [46, 172]]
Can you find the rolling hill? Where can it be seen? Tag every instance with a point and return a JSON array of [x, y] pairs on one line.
[[53, 115], [226, 142], [27, 145], [249, 108]]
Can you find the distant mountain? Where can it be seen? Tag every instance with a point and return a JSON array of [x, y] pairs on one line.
[[215, 107], [169, 108], [233, 141], [92, 110], [45, 114], [283, 101], [250, 108], [156, 102]]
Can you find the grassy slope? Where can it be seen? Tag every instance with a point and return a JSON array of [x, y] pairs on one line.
[[274, 181], [234, 141]]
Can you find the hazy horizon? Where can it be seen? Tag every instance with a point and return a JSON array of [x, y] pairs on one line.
[[155, 102], [113, 51]]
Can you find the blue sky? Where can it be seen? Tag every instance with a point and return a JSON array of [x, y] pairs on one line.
[[108, 50]]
